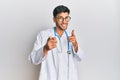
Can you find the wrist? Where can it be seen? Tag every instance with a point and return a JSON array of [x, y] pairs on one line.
[[75, 45], [45, 50]]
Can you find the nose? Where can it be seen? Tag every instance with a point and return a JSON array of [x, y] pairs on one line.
[[64, 21]]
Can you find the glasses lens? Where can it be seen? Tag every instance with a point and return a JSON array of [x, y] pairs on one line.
[[62, 19], [68, 18]]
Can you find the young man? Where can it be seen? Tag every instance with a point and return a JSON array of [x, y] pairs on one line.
[[56, 49]]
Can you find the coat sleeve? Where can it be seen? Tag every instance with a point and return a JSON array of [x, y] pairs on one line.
[[36, 55], [79, 55]]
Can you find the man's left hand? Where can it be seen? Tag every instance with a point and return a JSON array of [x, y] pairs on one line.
[[72, 39]]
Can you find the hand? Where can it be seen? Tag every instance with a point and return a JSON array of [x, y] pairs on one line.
[[51, 43], [72, 39]]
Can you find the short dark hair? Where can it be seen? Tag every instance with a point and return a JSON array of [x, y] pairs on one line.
[[59, 9]]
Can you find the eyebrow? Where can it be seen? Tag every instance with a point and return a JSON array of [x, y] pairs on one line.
[[61, 16]]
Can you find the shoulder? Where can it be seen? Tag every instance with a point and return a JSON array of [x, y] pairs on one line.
[[46, 32]]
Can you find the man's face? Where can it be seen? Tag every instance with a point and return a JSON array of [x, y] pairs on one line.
[[61, 20]]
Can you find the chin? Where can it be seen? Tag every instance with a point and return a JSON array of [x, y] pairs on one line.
[[64, 28]]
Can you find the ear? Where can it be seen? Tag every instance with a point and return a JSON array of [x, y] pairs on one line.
[[54, 19]]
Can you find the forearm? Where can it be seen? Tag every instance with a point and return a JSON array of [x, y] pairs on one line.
[[75, 45], [45, 51], [36, 56], [79, 54]]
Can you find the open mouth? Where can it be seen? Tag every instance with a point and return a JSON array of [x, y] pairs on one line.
[[64, 25]]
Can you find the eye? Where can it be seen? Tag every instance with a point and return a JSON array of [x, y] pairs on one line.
[[62, 19]]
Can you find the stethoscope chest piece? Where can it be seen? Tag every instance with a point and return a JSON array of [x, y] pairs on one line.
[[69, 52]]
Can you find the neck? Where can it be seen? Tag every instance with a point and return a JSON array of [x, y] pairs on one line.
[[59, 31]]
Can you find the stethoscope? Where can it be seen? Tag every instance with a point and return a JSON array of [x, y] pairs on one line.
[[68, 44], [68, 48]]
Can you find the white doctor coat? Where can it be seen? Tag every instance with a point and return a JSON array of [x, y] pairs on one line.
[[57, 64]]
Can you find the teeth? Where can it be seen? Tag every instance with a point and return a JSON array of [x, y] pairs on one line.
[[64, 25]]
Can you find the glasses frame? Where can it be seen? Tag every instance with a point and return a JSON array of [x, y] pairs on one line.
[[61, 19]]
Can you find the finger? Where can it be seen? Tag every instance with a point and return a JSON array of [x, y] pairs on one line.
[[48, 38], [72, 33], [53, 38], [54, 41], [70, 37], [70, 40], [53, 45]]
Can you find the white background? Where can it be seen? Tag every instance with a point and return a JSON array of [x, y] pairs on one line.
[[97, 22]]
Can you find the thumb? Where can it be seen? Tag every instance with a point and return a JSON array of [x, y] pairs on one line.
[[48, 39], [72, 33]]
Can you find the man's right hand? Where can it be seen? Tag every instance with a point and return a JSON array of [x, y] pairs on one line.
[[51, 43]]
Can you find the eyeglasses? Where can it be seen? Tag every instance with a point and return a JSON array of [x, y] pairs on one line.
[[61, 19]]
